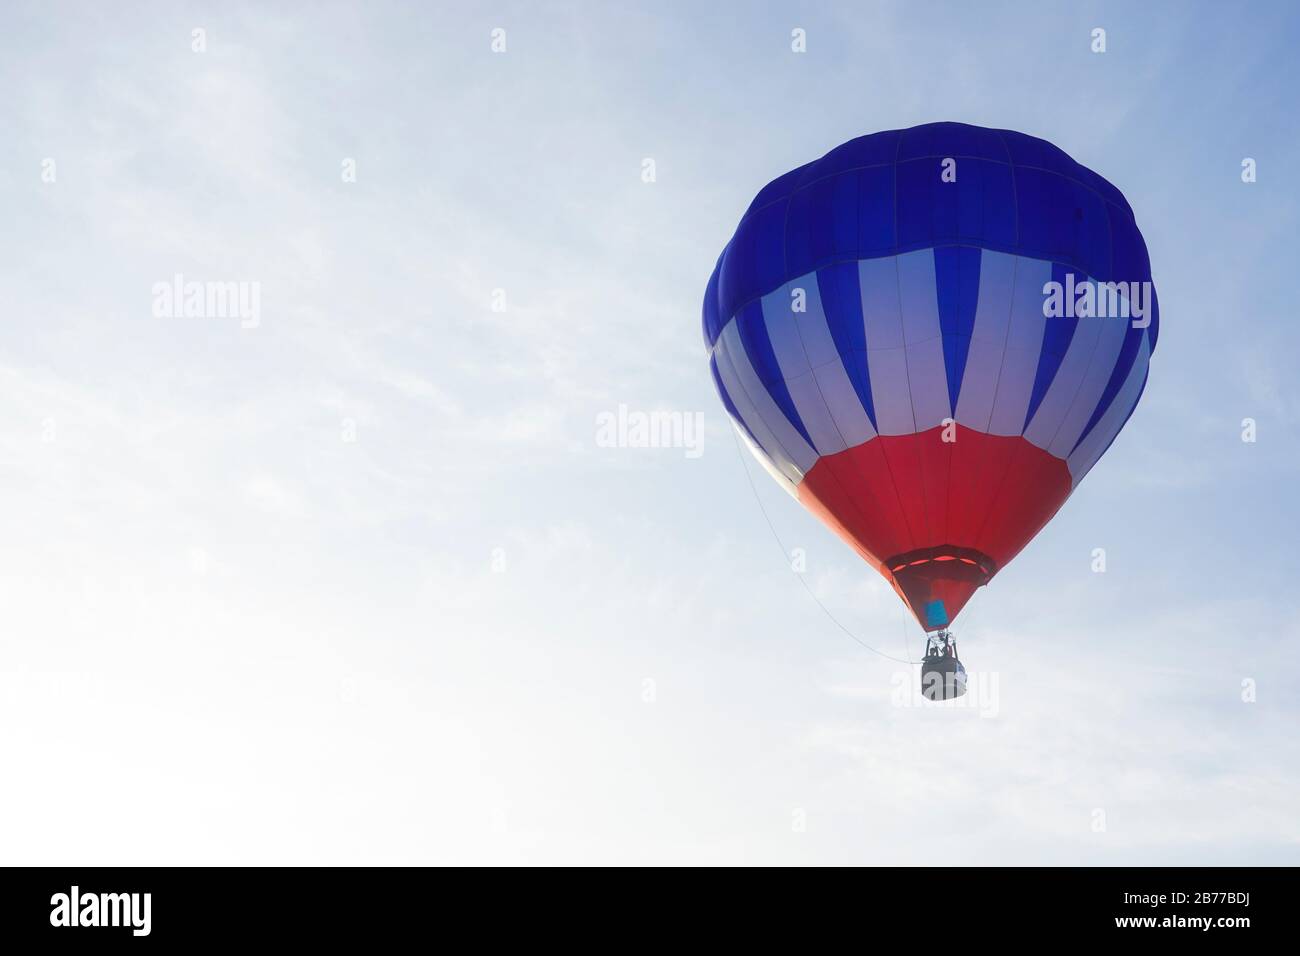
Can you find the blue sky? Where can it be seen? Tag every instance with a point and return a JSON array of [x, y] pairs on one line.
[[359, 584]]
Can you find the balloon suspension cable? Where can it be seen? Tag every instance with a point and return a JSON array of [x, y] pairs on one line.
[[744, 466]]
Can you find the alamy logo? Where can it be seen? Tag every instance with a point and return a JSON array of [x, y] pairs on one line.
[[657, 429], [1086, 299], [101, 909], [181, 299]]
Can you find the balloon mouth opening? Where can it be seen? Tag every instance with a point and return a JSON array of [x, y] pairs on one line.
[[969, 563], [937, 582]]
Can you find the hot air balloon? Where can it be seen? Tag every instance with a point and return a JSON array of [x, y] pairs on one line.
[[929, 336]]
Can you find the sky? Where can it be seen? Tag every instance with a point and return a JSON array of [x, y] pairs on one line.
[[352, 577]]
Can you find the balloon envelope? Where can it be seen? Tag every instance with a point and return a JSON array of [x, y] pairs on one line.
[[908, 332]]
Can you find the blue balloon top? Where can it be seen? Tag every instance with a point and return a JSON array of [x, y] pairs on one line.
[[881, 195]]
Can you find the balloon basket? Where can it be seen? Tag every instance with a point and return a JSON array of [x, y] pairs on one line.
[[942, 675]]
